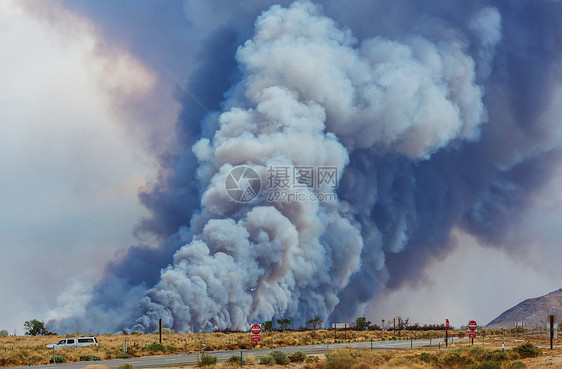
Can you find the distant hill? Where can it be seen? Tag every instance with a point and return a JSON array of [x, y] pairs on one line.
[[532, 312]]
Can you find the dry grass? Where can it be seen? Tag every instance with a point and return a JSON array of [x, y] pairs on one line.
[[16, 351]]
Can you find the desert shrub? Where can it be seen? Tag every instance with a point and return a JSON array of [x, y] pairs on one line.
[[517, 365], [279, 357], [122, 356], [427, 358], [125, 366], [477, 353], [400, 363], [488, 365], [527, 350], [235, 359], [158, 347], [297, 357], [137, 333], [454, 359], [58, 359], [206, 360], [340, 359], [89, 358], [267, 360], [497, 355], [513, 355], [313, 364]]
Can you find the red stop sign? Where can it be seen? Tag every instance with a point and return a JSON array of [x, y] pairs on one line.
[[255, 329], [472, 325]]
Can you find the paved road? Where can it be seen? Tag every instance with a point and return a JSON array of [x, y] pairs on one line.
[[191, 359]]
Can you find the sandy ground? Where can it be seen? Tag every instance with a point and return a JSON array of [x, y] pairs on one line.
[[549, 359]]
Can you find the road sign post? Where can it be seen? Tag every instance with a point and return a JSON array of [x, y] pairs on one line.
[[472, 326], [551, 329], [337, 326], [256, 332], [447, 332]]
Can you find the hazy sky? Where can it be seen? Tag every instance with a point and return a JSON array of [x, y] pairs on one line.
[[69, 167], [73, 155]]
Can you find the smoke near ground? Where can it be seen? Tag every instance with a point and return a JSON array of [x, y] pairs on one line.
[[436, 118]]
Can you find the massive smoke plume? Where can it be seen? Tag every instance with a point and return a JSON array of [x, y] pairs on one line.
[[435, 117]]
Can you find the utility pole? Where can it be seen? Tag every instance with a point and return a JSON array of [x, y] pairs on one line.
[[160, 329], [551, 335]]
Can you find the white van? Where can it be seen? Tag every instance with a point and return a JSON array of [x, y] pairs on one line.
[[74, 342]]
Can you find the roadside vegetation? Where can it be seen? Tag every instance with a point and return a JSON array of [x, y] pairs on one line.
[[31, 350]]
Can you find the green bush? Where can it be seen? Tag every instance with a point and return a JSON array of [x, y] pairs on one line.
[[89, 358], [58, 359], [267, 360], [235, 359], [527, 350], [478, 353], [297, 357], [427, 358], [488, 365], [513, 355], [518, 365], [158, 347], [125, 366], [497, 355], [207, 360], [122, 356], [279, 357]]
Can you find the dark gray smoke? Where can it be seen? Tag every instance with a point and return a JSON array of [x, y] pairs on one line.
[[455, 124]]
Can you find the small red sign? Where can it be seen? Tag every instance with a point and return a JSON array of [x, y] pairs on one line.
[[256, 329], [447, 326], [256, 332], [472, 325], [472, 335]]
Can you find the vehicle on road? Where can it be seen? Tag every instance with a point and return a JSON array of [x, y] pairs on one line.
[[74, 342]]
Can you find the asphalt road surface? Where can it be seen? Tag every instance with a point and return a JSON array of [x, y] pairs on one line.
[[191, 359]]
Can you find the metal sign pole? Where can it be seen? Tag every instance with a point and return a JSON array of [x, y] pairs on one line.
[[160, 329], [551, 318]]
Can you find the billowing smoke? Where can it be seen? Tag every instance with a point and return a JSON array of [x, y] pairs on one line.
[[432, 119], [302, 75]]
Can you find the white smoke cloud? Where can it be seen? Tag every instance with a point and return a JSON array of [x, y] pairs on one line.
[[486, 26], [302, 76]]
